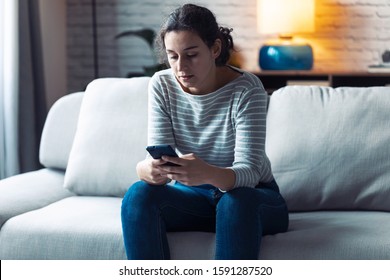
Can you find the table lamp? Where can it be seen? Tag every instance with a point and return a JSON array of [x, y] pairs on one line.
[[285, 17]]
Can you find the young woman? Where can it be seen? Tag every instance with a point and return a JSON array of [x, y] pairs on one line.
[[215, 117]]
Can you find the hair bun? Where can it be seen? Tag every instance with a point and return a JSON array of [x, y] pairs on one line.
[[227, 43]]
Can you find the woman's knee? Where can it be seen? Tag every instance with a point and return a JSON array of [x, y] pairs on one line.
[[236, 200], [264, 204], [140, 194]]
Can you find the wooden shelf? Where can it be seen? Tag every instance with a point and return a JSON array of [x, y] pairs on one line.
[[273, 80]]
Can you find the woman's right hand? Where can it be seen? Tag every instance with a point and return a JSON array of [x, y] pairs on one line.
[[149, 172]]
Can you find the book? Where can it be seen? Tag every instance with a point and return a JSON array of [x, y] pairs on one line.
[[379, 68], [324, 83]]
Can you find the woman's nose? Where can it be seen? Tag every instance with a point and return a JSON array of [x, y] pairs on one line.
[[181, 64]]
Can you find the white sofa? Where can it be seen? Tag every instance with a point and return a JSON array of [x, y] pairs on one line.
[[329, 149]]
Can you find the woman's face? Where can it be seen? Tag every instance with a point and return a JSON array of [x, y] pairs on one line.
[[192, 61]]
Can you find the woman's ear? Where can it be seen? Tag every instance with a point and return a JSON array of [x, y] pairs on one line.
[[216, 48]]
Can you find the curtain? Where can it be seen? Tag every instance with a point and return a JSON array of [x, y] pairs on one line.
[[32, 101], [23, 104], [9, 67]]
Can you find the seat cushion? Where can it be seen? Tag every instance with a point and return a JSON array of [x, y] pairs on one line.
[[90, 228], [85, 228], [329, 148], [73, 228], [332, 235], [30, 191]]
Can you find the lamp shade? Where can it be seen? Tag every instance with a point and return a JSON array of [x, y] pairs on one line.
[[285, 16]]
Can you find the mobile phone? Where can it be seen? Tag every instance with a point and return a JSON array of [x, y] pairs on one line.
[[158, 151]]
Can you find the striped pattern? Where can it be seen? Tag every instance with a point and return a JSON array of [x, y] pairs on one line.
[[225, 128]]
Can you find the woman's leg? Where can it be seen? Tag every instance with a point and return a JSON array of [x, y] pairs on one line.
[[243, 216], [149, 211]]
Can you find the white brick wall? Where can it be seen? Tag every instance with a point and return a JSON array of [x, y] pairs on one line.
[[350, 34]]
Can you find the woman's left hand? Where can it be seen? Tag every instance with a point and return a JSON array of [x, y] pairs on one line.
[[191, 170]]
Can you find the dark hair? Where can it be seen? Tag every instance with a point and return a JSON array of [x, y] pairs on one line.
[[201, 21]]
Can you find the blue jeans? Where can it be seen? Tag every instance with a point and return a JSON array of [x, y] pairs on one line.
[[239, 217]]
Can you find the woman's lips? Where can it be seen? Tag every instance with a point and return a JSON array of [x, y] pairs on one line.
[[186, 77]]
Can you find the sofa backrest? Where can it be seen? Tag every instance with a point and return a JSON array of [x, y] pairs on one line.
[[59, 130], [330, 148], [110, 138], [98, 136]]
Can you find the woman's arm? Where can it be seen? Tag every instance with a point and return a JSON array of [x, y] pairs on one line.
[[193, 171], [251, 163], [159, 132]]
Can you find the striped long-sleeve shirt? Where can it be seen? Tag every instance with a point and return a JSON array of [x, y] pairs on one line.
[[225, 128]]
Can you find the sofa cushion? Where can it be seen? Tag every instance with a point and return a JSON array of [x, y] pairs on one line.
[[78, 227], [59, 130], [83, 227], [329, 148], [331, 235], [30, 191], [111, 137]]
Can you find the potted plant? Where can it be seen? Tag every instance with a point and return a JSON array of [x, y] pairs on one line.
[[148, 35]]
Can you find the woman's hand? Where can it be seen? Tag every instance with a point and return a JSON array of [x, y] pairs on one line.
[[148, 170], [193, 171]]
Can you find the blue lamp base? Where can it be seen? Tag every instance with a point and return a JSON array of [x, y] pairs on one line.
[[286, 57]]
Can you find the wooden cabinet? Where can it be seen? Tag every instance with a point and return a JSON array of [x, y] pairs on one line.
[[273, 80]]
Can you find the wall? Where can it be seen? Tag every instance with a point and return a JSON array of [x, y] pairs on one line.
[[350, 34], [53, 27]]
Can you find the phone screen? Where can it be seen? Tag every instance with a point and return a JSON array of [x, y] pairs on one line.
[[158, 151]]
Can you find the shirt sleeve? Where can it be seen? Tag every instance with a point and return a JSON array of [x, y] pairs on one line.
[[251, 164], [159, 120]]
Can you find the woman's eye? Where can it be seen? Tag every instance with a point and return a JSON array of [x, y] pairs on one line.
[[175, 57]]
